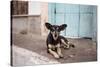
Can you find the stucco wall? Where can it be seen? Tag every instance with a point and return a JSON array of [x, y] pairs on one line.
[[19, 24], [44, 17], [26, 24], [34, 24], [34, 21]]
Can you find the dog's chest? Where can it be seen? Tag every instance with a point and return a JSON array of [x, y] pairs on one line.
[[54, 47]]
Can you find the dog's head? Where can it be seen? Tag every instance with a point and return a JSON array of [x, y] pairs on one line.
[[55, 29]]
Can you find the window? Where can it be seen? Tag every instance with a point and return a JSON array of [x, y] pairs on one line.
[[19, 7]]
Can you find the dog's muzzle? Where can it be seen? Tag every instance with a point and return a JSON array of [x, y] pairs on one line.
[[55, 35]]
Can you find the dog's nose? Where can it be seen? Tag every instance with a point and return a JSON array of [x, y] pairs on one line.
[[55, 35]]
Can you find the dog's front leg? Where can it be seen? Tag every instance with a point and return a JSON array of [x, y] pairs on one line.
[[59, 51], [52, 52]]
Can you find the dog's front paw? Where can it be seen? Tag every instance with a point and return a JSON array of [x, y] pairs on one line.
[[56, 56], [61, 56]]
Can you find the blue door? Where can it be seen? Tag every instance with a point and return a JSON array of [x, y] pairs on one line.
[[86, 20], [51, 13], [79, 18], [60, 13], [72, 20]]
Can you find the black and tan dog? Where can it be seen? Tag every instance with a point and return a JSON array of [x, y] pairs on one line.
[[54, 40]]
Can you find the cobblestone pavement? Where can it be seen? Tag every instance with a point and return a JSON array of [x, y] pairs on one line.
[[31, 50]]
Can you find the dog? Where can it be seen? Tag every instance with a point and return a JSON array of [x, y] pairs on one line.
[[54, 40]]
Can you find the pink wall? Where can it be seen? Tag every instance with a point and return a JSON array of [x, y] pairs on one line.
[[44, 17]]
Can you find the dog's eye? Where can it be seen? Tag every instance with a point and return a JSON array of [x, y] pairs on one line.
[[53, 29]]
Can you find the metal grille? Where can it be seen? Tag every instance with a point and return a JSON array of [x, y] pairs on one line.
[[19, 7]]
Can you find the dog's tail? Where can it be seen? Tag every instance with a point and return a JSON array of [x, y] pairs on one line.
[[68, 46], [71, 45]]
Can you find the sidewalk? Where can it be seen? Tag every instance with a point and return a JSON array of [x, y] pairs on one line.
[[31, 50], [25, 57]]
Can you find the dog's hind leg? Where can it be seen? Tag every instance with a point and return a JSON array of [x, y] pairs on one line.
[[66, 45]]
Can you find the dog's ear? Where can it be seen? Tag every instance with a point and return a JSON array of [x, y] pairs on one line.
[[48, 26], [62, 27]]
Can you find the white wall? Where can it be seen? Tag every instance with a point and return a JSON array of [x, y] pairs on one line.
[[34, 8]]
